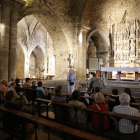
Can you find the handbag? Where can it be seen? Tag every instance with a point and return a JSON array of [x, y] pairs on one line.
[[105, 116], [71, 83]]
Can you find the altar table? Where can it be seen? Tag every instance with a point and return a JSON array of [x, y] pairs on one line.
[[119, 69]]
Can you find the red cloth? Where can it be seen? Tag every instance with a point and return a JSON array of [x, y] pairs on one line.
[[96, 119]]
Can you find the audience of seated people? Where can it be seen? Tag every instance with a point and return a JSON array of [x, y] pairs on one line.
[[99, 99], [58, 110], [12, 80], [125, 125], [34, 85], [79, 88], [12, 87], [81, 115], [113, 100]]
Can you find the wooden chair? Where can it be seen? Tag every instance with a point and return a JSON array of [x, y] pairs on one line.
[[90, 111], [65, 131]]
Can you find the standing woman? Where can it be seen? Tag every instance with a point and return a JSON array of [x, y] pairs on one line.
[[71, 81]]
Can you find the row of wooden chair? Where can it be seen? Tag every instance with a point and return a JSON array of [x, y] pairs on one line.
[[65, 131], [89, 113]]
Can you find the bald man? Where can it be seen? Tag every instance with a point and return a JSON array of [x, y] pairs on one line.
[[3, 86]]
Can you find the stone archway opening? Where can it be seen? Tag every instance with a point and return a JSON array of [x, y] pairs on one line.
[[37, 63], [97, 47]]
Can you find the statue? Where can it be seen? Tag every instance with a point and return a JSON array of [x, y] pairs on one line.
[[132, 47], [71, 60]]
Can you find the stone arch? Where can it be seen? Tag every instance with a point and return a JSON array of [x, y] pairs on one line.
[[102, 34], [39, 62], [102, 44], [51, 23]]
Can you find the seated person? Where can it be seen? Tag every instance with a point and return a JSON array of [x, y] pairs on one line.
[[126, 126], [58, 110], [81, 115], [113, 100], [46, 95], [12, 80], [10, 98], [25, 101], [33, 85], [79, 88], [18, 89], [99, 99], [97, 90], [27, 83], [3, 88], [128, 91]]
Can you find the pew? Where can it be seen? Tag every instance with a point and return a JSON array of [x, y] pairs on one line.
[[90, 111], [64, 130], [105, 94], [91, 99]]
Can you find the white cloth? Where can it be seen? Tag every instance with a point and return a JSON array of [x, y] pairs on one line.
[[70, 89], [109, 69]]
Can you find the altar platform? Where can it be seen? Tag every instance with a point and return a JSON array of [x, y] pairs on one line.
[[131, 73]]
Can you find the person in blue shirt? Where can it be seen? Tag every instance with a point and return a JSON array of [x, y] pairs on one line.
[[46, 95], [71, 81]]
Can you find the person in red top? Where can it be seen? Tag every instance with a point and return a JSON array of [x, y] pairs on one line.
[[99, 99]]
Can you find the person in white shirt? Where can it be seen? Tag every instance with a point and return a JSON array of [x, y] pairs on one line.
[[125, 125], [71, 81]]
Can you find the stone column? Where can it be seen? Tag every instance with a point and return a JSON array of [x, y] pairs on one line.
[[84, 52], [136, 76], [4, 48], [80, 56], [119, 76], [13, 45]]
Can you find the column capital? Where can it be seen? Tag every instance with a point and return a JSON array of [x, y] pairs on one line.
[[83, 27]]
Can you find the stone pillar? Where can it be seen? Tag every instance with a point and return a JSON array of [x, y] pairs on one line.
[[136, 76], [84, 52], [13, 45], [4, 48], [119, 76], [80, 56], [26, 67]]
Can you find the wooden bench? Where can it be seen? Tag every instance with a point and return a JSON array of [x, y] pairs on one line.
[[105, 94], [90, 111], [91, 99], [65, 130]]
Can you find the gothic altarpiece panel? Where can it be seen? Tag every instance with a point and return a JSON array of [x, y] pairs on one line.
[[126, 42]]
